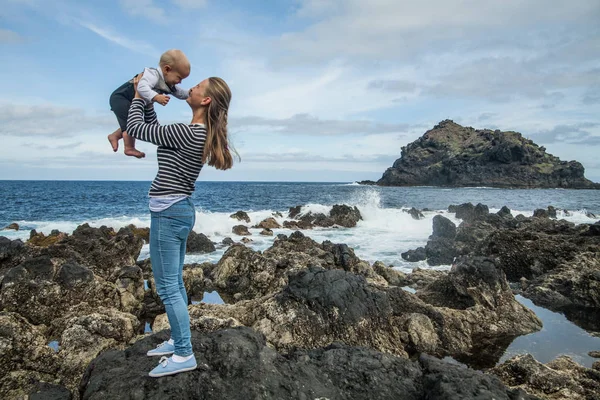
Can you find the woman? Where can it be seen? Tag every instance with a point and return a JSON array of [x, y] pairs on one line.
[[182, 151]]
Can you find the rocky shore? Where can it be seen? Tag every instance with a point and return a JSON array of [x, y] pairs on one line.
[[457, 156], [301, 319]]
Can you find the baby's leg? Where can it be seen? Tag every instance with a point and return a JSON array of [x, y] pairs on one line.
[[114, 138], [130, 149]]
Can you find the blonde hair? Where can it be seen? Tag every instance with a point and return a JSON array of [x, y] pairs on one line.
[[217, 152], [174, 58]]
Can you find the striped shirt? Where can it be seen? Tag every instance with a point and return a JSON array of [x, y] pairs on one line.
[[180, 148]]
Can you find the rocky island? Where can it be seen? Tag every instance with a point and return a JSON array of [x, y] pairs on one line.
[[456, 156]]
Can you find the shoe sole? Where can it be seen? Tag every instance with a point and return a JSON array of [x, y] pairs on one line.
[[173, 372], [164, 353]]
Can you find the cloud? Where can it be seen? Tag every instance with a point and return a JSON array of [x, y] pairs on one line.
[[46, 120], [38, 146], [305, 124], [146, 9], [307, 157], [10, 37], [191, 4], [569, 134], [134, 45], [393, 85], [592, 95], [504, 79]]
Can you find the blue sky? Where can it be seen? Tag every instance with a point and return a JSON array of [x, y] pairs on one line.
[[323, 90]]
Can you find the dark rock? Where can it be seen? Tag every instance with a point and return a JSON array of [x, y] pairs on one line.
[[266, 232], [14, 226], [268, 223], [70, 275], [441, 382], [505, 212], [593, 230], [463, 211], [392, 276], [595, 354], [541, 213], [457, 156], [367, 182], [48, 391], [143, 233], [227, 241], [561, 378], [480, 211], [10, 252], [239, 357], [416, 214], [41, 240], [246, 240], [199, 243], [418, 254], [241, 230], [321, 220], [443, 228], [294, 211], [284, 296], [41, 290], [440, 251], [345, 216], [551, 212], [25, 356], [277, 214], [295, 225], [241, 216], [571, 287], [102, 250], [243, 273]]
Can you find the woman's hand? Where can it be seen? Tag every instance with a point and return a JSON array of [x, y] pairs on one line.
[[136, 80]]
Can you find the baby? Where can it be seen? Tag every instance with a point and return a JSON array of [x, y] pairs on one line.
[[155, 85]]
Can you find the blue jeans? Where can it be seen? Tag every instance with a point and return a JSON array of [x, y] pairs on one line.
[[169, 231]]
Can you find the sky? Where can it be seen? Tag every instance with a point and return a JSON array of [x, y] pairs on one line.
[[323, 90]]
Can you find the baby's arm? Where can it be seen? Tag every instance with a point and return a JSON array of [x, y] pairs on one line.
[[181, 93], [147, 84]]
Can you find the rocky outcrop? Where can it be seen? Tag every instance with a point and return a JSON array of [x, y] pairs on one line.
[[241, 216], [561, 378], [198, 243], [572, 288], [41, 289], [453, 155], [25, 356], [12, 227], [555, 261], [319, 306], [239, 358], [243, 273], [268, 223], [241, 230], [340, 215]]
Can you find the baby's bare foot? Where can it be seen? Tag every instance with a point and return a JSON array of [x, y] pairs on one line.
[[133, 152], [114, 141]]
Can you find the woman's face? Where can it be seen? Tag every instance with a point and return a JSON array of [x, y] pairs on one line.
[[197, 96]]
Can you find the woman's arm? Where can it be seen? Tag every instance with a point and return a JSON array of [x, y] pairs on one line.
[[176, 136]]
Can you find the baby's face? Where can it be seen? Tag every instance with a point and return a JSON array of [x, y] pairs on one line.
[[174, 75]]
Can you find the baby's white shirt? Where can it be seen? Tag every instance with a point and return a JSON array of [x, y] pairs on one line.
[[153, 83]]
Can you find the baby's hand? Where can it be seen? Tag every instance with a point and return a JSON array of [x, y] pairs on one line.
[[161, 99]]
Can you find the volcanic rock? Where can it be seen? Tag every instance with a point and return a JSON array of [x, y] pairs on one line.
[[457, 156]]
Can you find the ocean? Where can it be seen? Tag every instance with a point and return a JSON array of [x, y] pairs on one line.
[[384, 233]]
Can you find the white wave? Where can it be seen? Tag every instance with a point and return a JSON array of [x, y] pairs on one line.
[[382, 235]]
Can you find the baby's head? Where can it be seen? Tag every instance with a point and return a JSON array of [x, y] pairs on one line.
[[175, 66]]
